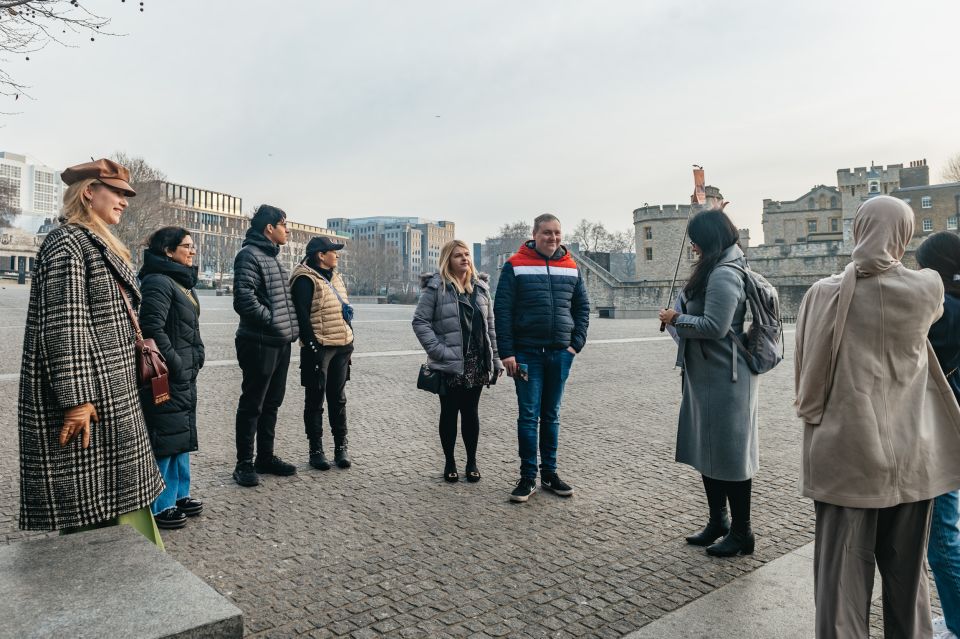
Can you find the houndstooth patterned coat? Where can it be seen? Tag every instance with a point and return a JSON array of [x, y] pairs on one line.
[[78, 348]]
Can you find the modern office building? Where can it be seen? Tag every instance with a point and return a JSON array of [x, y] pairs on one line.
[[415, 241], [29, 188]]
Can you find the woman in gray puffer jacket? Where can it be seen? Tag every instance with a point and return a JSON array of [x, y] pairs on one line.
[[454, 323]]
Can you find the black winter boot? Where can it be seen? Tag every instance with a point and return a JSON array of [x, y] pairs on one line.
[[714, 530], [340, 453], [318, 459], [739, 541]]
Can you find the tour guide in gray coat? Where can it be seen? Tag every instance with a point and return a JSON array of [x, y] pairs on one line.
[[717, 433], [268, 325]]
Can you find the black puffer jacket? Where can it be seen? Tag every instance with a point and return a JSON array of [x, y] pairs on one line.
[[170, 314], [261, 293]]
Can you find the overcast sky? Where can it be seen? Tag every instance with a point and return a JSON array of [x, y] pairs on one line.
[[486, 112]]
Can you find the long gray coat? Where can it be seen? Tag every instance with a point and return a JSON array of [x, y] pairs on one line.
[[717, 433], [78, 348], [436, 323]]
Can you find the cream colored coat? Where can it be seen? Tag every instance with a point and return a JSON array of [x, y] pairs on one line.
[[881, 425], [326, 313]]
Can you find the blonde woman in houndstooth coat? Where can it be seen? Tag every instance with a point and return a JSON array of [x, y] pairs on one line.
[[85, 458]]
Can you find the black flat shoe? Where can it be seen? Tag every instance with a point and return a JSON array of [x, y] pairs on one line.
[[472, 473], [189, 506], [450, 473]]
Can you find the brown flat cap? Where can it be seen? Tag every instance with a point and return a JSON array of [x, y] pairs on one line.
[[103, 170]]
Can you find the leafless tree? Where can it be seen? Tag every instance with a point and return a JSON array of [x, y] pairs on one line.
[[951, 172], [593, 237], [28, 26], [148, 210], [372, 266], [9, 203]]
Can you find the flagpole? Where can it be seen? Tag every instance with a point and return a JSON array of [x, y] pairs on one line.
[[699, 197]]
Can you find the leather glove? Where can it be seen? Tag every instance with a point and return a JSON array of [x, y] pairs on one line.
[[76, 421]]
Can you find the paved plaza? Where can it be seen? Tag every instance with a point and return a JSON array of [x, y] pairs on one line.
[[387, 548]]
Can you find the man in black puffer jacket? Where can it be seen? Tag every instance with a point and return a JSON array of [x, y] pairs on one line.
[[542, 313], [268, 325]]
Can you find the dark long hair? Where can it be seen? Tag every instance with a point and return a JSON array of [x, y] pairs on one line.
[[166, 239], [941, 252], [713, 233]]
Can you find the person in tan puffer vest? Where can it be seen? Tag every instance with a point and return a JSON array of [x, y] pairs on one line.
[[326, 345]]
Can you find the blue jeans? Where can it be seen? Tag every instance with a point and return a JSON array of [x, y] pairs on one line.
[[943, 553], [175, 471], [539, 402]]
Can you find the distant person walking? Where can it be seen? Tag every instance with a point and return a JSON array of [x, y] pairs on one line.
[[717, 433], [85, 459], [881, 434], [542, 314], [326, 345], [454, 323], [268, 325], [170, 314], [941, 252]]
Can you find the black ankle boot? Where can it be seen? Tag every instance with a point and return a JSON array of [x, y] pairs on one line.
[[318, 459], [340, 454], [714, 530], [739, 541]]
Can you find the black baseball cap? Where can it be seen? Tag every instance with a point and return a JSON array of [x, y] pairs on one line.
[[322, 244]]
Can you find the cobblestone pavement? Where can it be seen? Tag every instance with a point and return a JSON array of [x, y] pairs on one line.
[[387, 548]]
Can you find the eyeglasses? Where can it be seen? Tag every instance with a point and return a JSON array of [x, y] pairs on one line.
[[189, 247]]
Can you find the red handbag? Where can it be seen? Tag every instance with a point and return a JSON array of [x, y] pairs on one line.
[[151, 366]]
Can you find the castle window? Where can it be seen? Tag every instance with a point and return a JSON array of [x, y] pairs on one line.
[[648, 253], [833, 202], [952, 222], [648, 232], [811, 226], [873, 186], [834, 224], [927, 224], [926, 202]]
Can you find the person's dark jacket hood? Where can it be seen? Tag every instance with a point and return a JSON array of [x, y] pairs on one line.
[[186, 276], [257, 238]]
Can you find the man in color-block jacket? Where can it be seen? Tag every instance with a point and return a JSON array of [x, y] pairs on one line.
[[542, 312]]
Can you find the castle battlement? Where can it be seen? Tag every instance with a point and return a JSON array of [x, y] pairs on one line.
[[661, 212]]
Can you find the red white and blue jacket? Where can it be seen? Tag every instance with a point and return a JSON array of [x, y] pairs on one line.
[[540, 302]]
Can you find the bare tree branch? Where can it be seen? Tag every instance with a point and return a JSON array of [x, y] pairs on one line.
[[951, 173]]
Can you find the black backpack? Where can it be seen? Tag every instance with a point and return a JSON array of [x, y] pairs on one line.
[[762, 343]]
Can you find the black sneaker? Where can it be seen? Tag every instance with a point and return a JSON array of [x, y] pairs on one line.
[[275, 466], [189, 506], [170, 519], [557, 486], [245, 475], [525, 488]]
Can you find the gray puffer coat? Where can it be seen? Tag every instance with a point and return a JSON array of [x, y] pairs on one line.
[[436, 322], [261, 293]]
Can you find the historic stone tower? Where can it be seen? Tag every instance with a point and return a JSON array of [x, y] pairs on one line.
[[660, 231]]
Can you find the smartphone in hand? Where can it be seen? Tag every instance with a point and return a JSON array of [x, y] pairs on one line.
[[523, 372]]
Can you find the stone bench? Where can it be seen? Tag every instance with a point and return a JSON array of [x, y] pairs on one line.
[[106, 583]]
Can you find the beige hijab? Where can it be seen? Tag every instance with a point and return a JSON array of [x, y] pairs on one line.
[[882, 227]]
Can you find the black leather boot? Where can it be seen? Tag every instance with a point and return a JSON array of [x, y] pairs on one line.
[[714, 530], [318, 459], [340, 454], [739, 541]]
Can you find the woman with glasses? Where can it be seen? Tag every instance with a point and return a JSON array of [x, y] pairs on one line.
[[170, 314]]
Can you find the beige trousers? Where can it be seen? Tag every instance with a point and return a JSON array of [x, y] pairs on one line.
[[848, 543]]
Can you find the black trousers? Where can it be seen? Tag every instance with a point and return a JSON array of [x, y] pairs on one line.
[[325, 376], [463, 402], [261, 393]]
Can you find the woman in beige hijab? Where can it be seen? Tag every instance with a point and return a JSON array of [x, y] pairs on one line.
[[881, 427]]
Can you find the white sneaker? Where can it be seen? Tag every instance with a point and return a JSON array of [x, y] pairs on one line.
[[940, 630]]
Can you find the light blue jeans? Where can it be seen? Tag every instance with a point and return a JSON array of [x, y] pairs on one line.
[[175, 471], [943, 553]]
